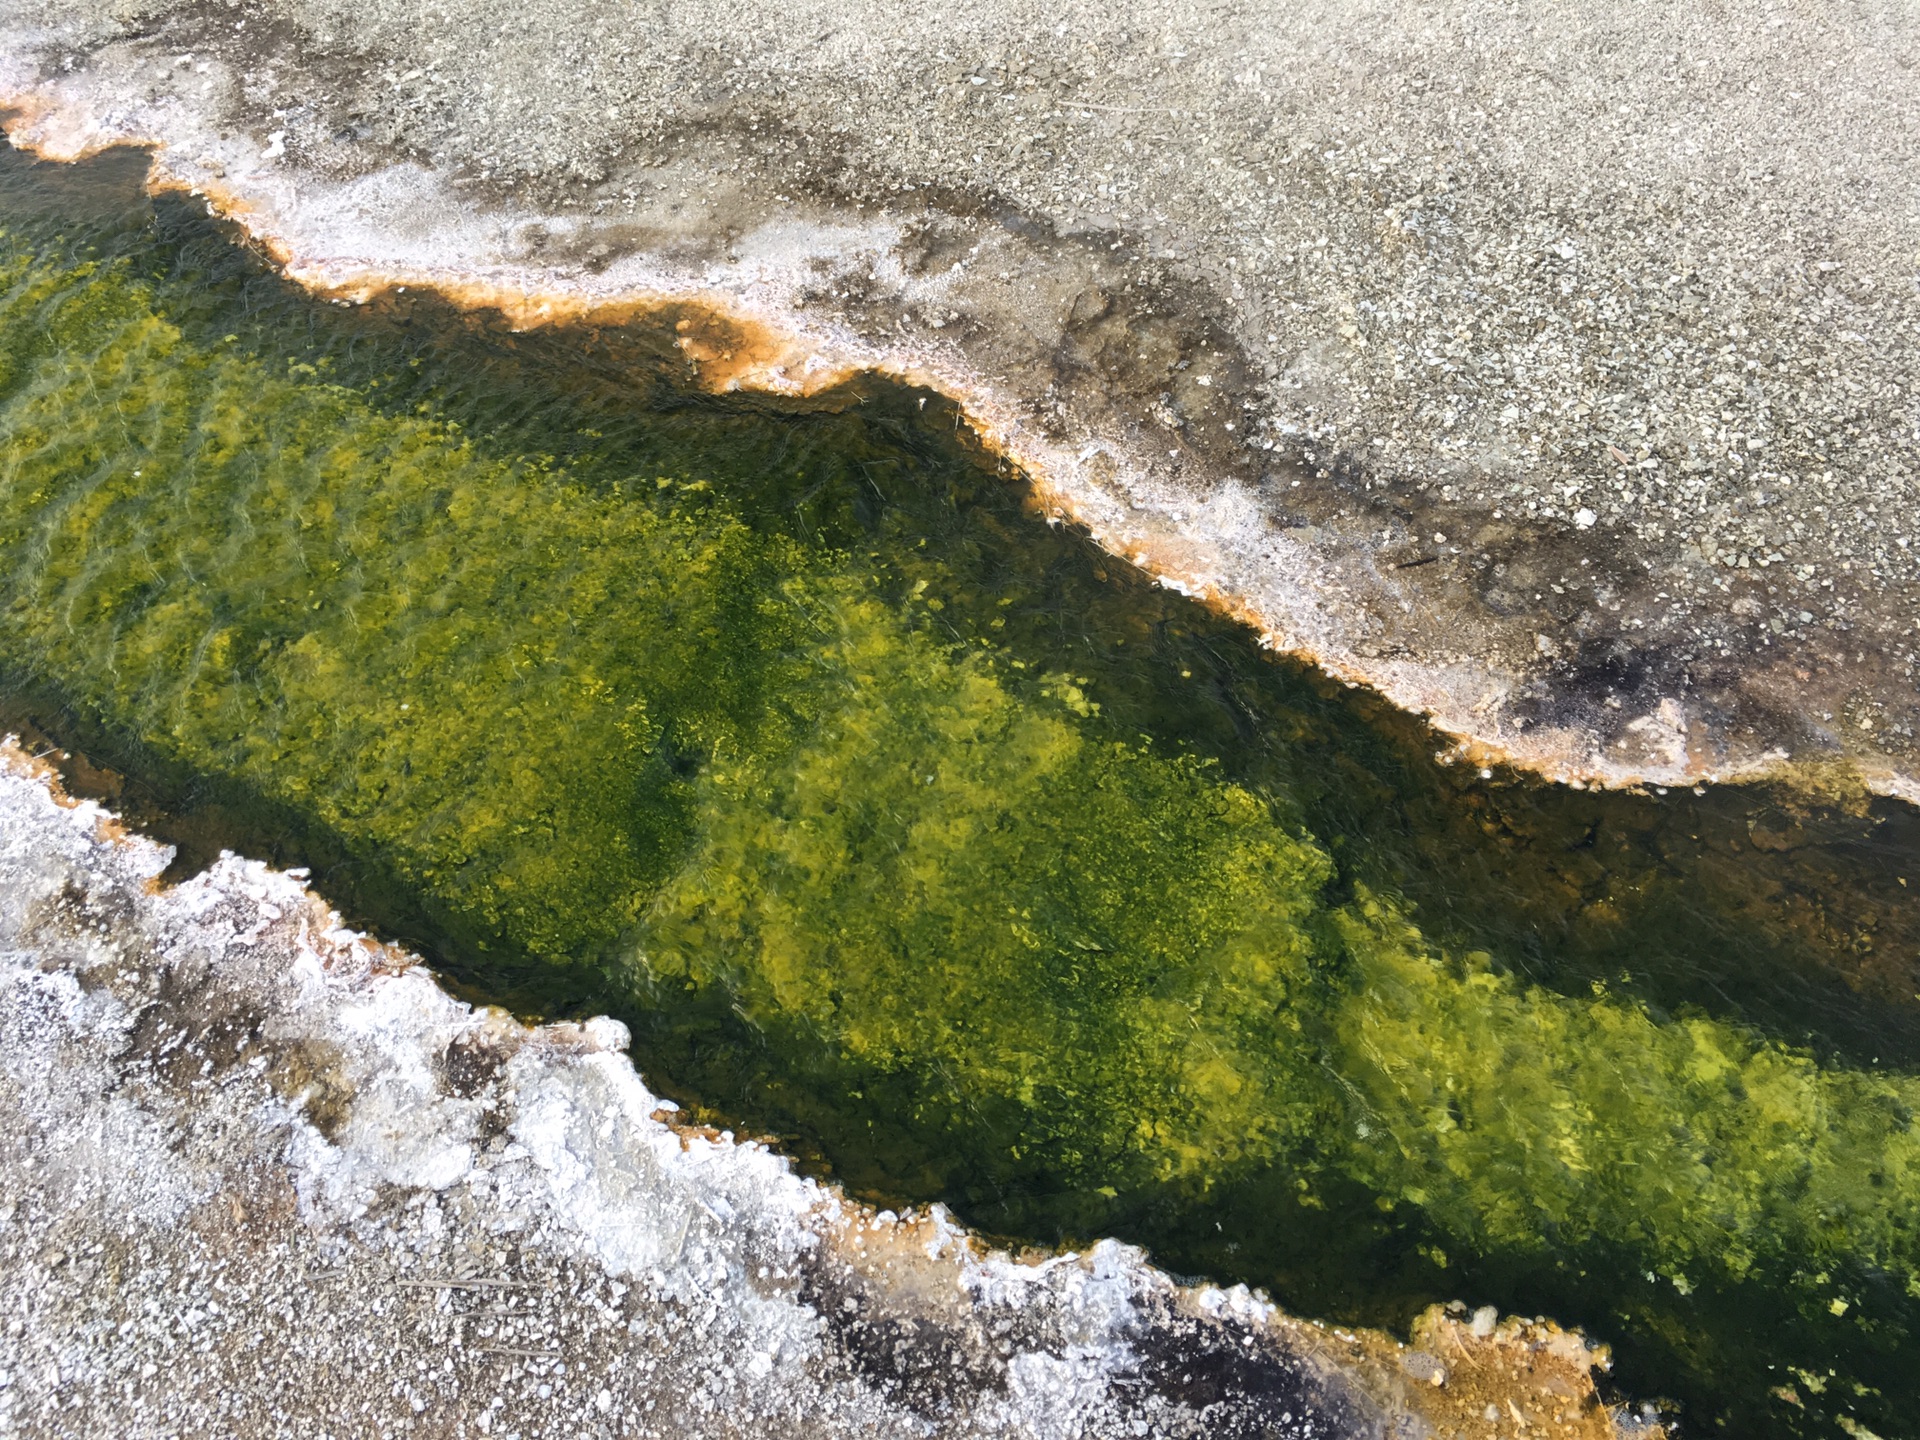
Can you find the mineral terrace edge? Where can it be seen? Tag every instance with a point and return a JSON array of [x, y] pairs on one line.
[[741, 330]]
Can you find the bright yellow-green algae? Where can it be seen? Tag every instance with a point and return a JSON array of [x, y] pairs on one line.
[[620, 726], [947, 879], [1521, 1119]]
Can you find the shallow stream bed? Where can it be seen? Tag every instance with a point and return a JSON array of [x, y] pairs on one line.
[[920, 834]]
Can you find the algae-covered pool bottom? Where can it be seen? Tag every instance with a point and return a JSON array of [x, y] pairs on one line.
[[917, 833]]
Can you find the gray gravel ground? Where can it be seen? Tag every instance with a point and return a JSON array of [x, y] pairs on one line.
[[1566, 346]]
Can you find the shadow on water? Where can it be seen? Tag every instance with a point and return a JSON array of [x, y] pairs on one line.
[[1791, 911]]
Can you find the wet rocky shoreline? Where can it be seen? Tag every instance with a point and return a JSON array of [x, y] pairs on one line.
[[259, 1168], [1543, 371]]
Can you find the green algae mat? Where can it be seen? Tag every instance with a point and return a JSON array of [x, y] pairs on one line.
[[915, 833]]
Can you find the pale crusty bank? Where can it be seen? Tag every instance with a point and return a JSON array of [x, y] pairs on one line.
[[1547, 366], [261, 1176]]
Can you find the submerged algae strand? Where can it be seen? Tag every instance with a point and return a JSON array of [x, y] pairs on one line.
[[779, 786]]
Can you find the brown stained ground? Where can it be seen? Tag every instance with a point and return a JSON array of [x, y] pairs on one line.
[[1457, 1377], [1496, 1380]]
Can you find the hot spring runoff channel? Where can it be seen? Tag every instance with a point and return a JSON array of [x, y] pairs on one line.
[[924, 836]]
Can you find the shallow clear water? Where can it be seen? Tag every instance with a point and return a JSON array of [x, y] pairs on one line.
[[923, 836]]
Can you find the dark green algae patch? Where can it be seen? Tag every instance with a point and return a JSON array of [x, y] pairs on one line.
[[917, 833]]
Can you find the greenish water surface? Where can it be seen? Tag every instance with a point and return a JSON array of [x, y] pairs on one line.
[[918, 834]]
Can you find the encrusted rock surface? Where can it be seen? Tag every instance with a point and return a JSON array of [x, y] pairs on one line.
[[1547, 366], [261, 1176]]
